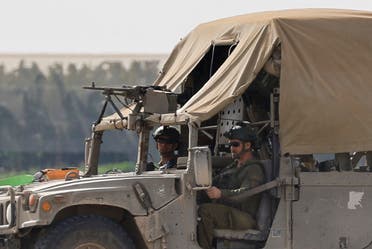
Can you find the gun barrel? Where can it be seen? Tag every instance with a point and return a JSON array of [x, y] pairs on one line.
[[124, 88], [131, 92]]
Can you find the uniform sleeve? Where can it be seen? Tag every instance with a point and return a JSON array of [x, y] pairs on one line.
[[252, 176]]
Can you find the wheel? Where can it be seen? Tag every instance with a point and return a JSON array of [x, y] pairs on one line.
[[85, 232]]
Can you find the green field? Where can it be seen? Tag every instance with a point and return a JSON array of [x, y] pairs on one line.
[[124, 167], [23, 177]]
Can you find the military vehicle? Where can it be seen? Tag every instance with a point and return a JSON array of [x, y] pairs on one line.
[[301, 77]]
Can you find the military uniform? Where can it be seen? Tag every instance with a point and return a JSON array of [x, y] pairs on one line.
[[227, 214], [172, 163]]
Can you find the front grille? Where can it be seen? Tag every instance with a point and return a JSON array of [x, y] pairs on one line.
[[2, 213]]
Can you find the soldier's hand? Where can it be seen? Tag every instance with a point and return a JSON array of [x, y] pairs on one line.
[[214, 193]]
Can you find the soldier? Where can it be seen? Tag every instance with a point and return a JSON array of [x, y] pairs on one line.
[[167, 141], [238, 177]]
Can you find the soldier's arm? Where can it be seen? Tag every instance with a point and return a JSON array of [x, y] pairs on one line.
[[251, 177]]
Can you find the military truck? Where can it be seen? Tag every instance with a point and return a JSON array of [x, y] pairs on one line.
[[301, 77]]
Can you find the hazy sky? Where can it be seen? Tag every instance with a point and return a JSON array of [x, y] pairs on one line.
[[124, 26]]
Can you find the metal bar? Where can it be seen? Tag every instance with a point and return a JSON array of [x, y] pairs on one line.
[[356, 158], [101, 114], [207, 134], [93, 156], [211, 66], [193, 135], [274, 112], [369, 160], [208, 127], [250, 123], [108, 98], [143, 145], [262, 128]]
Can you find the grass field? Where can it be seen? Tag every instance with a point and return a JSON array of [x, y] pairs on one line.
[[123, 166]]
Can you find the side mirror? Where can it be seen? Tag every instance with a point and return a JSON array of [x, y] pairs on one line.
[[201, 159]]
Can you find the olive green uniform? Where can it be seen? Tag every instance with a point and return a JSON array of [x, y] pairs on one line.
[[227, 214]]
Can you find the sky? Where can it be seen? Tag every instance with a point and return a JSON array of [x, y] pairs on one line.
[[124, 26]]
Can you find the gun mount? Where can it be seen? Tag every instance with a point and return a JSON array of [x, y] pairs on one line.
[[142, 100]]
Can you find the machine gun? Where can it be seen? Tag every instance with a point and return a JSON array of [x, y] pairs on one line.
[[138, 99]]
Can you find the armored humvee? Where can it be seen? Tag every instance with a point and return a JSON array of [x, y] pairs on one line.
[[302, 77]]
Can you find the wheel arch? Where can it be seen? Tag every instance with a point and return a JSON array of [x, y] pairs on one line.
[[117, 214]]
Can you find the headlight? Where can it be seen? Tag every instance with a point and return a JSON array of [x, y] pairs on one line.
[[32, 202], [9, 213]]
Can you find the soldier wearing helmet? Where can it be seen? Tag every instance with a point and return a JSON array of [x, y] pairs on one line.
[[167, 141], [245, 173]]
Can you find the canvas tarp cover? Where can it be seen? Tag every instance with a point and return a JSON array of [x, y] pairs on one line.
[[326, 74]]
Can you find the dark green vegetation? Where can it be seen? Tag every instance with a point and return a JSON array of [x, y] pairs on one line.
[[45, 117]]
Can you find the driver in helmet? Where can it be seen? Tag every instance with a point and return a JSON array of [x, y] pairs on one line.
[[167, 141], [240, 176]]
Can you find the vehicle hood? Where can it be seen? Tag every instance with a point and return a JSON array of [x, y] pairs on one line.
[[160, 187]]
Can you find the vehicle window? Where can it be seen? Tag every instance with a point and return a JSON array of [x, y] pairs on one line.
[[325, 162], [204, 70], [112, 157]]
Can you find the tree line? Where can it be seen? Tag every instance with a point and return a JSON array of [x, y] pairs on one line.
[[46, 116]]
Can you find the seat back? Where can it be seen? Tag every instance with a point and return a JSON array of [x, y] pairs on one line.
[[264, 212], [268, 170]]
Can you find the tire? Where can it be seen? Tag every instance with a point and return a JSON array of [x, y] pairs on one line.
[[83, 232]]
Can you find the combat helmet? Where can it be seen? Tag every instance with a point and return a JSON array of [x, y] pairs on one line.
[[243, 132], [170, 133]]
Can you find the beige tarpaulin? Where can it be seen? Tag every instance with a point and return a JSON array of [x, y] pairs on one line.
[[326, 74]]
